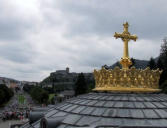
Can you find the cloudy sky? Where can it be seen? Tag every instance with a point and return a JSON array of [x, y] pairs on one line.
[[40, 36]]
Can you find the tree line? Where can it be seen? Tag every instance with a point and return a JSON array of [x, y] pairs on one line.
[[161, 63], [37, 93], [5, 94]]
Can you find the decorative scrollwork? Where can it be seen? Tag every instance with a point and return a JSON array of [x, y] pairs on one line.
[[131, 78]]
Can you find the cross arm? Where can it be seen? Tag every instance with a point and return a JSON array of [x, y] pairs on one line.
[[117, 35], [133, 37]]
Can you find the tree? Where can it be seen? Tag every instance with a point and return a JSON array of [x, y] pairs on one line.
[[164, 86], [133, 63], [5, 94], [27, 88], [152, 64], [163, 78], [2, 97], [160, 64], [44, 96], [163, 53], [39, 94], [163, 58], [53, 79], [117, 64], [80, 85]]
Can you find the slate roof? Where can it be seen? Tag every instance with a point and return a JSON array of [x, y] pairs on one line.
[[104, 110]]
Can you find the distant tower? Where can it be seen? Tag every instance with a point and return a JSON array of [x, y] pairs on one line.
[[68, 70]]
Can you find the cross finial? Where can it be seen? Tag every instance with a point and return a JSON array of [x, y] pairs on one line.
[[126, 37], [126, 25]]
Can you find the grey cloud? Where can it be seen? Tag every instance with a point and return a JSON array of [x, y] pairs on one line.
[[81, 26], [10, 29], [17, 52], [147, 18], [96, 60], [14, 25], [91, 54]]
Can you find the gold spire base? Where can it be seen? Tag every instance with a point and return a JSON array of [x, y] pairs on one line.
[[125, 62], [130, 80], [121, 89]]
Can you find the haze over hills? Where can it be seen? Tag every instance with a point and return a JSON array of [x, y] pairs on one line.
[[10, 82], [9, 79], [139, 64], [65, 76]]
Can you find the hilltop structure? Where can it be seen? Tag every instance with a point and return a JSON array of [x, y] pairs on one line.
[[65, 79], [62, 71]]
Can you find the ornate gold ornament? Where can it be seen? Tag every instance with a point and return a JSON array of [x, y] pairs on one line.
[[125, 79], [126, 37]]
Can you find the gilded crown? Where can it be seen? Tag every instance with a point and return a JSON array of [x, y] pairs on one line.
[[131, 80]]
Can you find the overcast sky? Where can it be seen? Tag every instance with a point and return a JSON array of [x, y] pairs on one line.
[[40, 36]]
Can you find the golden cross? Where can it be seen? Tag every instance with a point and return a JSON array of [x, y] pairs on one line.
[[126, 37]]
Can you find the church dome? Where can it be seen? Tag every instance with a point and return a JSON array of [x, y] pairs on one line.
[[104, 110]]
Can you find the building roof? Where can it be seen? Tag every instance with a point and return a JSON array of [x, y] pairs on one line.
[[104, 110]]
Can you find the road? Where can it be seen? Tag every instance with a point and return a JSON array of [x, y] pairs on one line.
[[8, 123], [14, 105]]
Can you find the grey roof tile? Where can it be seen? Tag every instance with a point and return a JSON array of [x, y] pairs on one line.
[[100, 103], [109, 104], [147, 99], [110, 97], [123, 113], [66, 106], [71, 119], [98, 111], [110, 121], [136, 122], [139, 98], [136, 113], [51, 113], [162, 113], [92, 102], [59, 114], [85, 102], [124, 98], [104, 98], [118, 104], [78, 101], [88, 120], [128, 105], [159, 105], [110, 112], [165, 104], [132, 99], [87, 110], [79, 109], [71, 108], [139, 105], [117, 98], [158, 123], [149, 113], [149, 105], [61, 126]]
